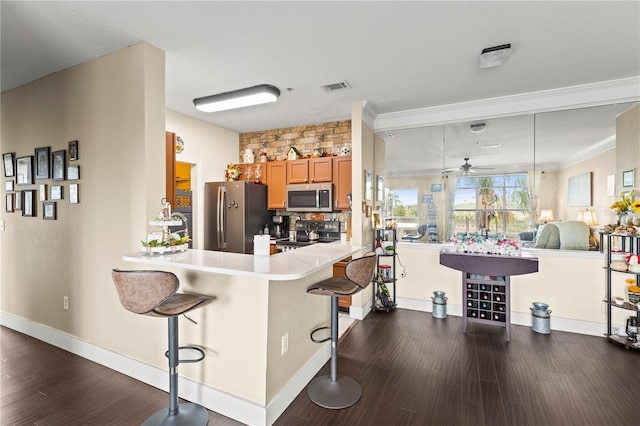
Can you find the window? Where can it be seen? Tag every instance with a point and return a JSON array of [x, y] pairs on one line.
[[492, 205], [403, 206]]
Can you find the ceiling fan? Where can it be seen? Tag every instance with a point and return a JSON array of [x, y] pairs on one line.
[[466, 168]]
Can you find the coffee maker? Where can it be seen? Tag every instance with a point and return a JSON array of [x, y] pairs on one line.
[[280, 226]]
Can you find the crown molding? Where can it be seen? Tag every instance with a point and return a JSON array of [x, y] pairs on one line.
[[585, 95]]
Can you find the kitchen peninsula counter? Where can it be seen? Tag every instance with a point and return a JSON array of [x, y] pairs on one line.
[[250, 374], [285, 266]]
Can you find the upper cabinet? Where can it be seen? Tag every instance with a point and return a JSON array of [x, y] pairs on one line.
[[311, 170], [342, 182], [277, 184]]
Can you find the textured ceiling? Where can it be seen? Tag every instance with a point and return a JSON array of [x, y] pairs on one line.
[[397, 56]]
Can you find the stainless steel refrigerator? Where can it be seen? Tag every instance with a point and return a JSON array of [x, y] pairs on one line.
[[234, 213]]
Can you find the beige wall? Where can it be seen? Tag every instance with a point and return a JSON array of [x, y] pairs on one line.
[[106, 105], [600, 166], [208, 149], [628, 146]]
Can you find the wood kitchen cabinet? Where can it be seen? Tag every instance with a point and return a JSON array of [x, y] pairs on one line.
[[310, 170], [341, 181], [344, 302], [277, 184]]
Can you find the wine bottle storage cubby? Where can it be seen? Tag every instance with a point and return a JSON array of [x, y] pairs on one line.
[[486, 300]]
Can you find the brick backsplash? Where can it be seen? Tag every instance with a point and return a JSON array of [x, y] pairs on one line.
[[329, 137]]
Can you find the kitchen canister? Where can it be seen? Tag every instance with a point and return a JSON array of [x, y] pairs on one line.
[[248, 156], [439, 302], [540, 318], [385, 272]]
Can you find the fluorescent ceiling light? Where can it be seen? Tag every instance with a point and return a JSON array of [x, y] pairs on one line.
[[494, 56], [261, 94]]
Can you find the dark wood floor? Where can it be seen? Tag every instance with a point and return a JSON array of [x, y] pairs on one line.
[[414, 370]]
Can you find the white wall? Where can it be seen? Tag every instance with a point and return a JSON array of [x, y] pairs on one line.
[[209, 149]]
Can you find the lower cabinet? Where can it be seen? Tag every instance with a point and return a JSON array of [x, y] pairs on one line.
[[338, 271]]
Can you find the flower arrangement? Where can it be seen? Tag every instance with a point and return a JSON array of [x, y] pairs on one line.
[[478, 244], [232, 172], [625, 204]]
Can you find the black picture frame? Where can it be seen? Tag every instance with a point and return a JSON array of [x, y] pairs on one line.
[[29, 203], [42, 163], [56, 192], [9, 161], [49, 210], [9, 203], [73, 172], [74, 193], [58, 162], [628, 178], [74, 154], [24, 170]]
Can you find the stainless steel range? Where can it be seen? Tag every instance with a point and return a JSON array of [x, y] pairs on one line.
[[311, 232]]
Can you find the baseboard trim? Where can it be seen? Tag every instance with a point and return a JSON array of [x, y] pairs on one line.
[[215, 400], [517, 318]]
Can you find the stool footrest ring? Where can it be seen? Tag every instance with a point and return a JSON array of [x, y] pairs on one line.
[[194, 348], [314, 340]]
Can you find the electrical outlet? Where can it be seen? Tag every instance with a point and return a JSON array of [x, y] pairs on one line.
[[1, 225], [65, 302], [285, 343]]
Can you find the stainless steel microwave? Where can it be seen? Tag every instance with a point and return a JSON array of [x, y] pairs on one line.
[[312, 197]]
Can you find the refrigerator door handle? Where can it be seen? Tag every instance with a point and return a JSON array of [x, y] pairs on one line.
[[220, 231]]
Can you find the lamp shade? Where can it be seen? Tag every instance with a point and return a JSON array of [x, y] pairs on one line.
[[261, 94], [546, 215], [589, 217]]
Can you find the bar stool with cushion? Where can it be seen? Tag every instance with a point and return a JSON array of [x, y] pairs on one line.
[[331, 390], [153, 293]]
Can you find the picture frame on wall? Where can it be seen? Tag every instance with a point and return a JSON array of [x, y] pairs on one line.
[[8, 160], [42, 192], [380, 188], [42, 163], [376, 220], [9, 203], [368, 185], [74, 196], [436, 187], [56, 192], [8, 186], [73, 172], [628, 178], [24, 170], [17, 201], [58, 165], [49, 210], [73, 151], [29, 203]]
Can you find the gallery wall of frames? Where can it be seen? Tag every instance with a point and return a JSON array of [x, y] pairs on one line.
[[42, 180]]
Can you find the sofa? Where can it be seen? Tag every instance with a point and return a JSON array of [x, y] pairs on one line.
[[569, 235]]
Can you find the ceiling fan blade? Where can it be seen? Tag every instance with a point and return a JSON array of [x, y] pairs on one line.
[[455, 169]]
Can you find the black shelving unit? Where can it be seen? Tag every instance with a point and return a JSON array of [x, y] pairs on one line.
[[627, 243], [384, 298]]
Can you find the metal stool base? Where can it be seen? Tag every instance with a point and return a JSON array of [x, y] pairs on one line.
[[188, 414], [334, 395]]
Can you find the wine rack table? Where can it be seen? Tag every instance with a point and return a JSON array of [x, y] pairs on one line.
[[486, 292]]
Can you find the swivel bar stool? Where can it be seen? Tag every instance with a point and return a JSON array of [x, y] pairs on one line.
[[331, 390], [154, 293]]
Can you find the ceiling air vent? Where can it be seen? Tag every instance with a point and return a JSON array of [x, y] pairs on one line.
[[330, 87]]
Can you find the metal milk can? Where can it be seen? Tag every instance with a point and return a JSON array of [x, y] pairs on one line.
[[439, 304], [540, 318]]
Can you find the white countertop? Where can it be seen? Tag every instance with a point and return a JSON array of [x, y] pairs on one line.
[[289, 265]]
